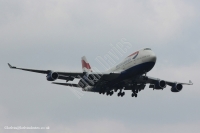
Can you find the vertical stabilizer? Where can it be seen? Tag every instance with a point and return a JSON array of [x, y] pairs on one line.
[[85, 65]]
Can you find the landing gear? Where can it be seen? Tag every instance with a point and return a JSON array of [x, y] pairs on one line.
[[134, 94], [102, 92], [109, 93], [116, 90], [118, 94], [121, 93]]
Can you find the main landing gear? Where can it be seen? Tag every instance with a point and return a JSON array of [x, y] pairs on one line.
[[121, 93], [134, 94], [109, 93], [102, 92]]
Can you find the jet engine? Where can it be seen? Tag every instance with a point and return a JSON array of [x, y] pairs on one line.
[[82, 83], [52, 76], [177, 87], [89, 80], [158, 85]]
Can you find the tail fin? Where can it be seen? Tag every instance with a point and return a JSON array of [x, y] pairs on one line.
[[85, 65]]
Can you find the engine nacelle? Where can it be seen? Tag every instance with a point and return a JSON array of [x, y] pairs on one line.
[[52, 76], [158, 85], [94, 77], [82, 83], [177, 87]]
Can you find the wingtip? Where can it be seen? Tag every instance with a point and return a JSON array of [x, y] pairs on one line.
[[190, 82], [11, 66]]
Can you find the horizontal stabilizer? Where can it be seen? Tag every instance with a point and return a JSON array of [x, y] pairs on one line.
[[67, 84]]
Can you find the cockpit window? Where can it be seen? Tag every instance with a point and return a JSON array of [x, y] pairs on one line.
[[147, 49]]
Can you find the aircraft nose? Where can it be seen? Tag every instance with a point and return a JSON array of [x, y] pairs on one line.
[[153, 57]]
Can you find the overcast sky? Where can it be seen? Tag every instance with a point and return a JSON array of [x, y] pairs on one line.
[[55, 34]]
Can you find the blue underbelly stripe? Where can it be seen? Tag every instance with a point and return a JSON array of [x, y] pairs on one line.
[[134, 71]]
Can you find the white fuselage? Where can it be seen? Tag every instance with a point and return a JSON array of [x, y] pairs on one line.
[[135, 64], [141, 57]]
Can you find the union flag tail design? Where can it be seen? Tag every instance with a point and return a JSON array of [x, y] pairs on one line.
[[85, 65]]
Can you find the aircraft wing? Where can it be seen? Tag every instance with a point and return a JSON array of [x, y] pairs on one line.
[[104, 77], [67, 84], [152, 80], [62, 75], [109, 76], [30, 70]]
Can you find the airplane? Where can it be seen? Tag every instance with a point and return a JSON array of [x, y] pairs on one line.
[[130, 74]]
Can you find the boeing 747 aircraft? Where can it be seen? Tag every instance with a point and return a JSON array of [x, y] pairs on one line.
[[130, 74]]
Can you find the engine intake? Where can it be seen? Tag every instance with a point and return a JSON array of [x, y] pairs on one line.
[[177, 87], [52, 76], [158, 85]]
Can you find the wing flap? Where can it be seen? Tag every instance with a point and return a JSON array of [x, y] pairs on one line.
[[67, 84], [77, 75], [172, 83], [152, 80]]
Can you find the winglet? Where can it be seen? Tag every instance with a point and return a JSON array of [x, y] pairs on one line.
[[190, 82], [12, 67]]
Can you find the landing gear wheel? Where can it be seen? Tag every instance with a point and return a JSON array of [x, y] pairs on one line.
[[107, 93], [122, 94], [118, 94], [133, 95], [111, 93]]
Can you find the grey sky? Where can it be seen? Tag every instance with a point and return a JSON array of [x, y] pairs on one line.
[[55, 35]]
